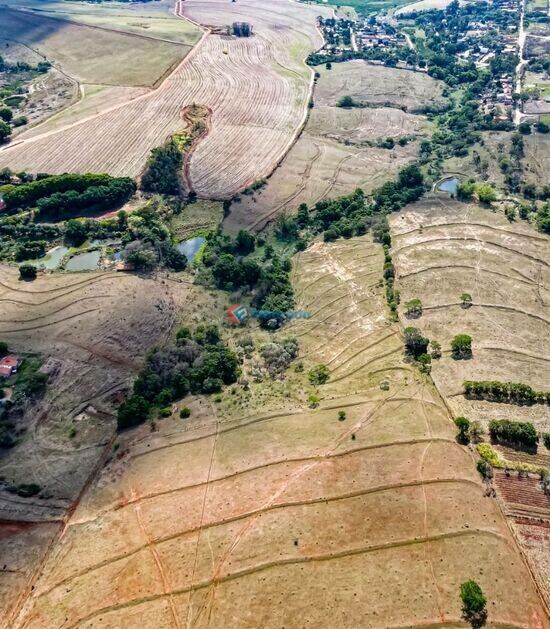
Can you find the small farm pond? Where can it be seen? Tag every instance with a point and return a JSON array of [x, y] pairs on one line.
[[190, 247], [84, 261], [449, 185]]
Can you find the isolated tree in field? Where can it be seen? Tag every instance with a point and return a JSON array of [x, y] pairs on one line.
[[476, 432], [318, 375], [466, 300], [5, 131], [328, 65], [6, 114], [461, 346], [415, 343], [413, 308], [485, 469], [474, 604], [463, 425], [27, 272], [346, 101]]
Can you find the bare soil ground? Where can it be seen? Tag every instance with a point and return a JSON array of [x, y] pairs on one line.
[[92, 330], [94, 55], [226, 74], [443, 248], [332, 157], [292, 517]]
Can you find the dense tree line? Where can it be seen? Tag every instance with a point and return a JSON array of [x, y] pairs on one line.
[[199, 362], [27, 194], [62, 205], [515, 434], [507, 392]]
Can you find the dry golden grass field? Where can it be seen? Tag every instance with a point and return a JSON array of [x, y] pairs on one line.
[[293, 517], [92, 331], [333, 155], [224, 73], [443, 248]]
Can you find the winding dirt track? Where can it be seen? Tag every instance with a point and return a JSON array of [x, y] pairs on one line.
[[257, 88]]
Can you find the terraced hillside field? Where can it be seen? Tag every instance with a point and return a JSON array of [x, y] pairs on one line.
[[443, 248], [257, 89], [338, 152], [92, 331], [294, 517]]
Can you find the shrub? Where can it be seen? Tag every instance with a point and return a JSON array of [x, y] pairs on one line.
[[473, 604], [318, 375], [520, 435], [463, 425], [341, 415], [466, 300], [484, 469], [185, 412], [25, 490], [461, 346], [165, 412], [435, 349], [346, 101], [413, 308], [546, 439], [487, 453], [313, 400]]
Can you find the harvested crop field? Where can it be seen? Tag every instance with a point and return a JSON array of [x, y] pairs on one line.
[[338, 150], [94, 55], [223, 73], [290, 518]]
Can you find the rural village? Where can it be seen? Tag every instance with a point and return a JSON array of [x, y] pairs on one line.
[[275, 310]]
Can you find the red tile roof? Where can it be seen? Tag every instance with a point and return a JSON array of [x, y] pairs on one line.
[[5, 371], [9, 361]]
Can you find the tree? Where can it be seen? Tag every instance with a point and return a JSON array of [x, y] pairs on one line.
[[3, 348], [476, 432], [413, 308], [415, 343], [27, 272], [245, 242], [461, 346], [542, 127], [6, 114], [76, 232], [486, 193], [485, 469], [341, 415], [473, 604], [524, 128], [463, 425], [346, 102], [466, 300], [134, 411], [318, 375], [328, 65], [5, 131]]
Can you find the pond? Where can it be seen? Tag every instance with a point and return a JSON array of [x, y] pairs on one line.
[[190, 247], [51, 260], [449, 185], [84, 261]]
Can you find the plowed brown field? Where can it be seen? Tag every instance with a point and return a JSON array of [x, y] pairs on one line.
[[295, 518], [257, 89]]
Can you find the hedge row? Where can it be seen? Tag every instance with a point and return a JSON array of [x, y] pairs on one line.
[[510, 392], [517, 434]]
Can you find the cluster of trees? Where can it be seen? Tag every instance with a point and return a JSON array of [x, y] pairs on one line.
[[163, 171], [199, 362], [30, 250], [148, 241], [484, 191], [29, 193], [507, 392], [521, 435], [112, 194], [229, 265], [468, 431]]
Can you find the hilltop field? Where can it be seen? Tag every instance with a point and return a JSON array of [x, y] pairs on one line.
[[339, 148], [443, 248], [221, 517]]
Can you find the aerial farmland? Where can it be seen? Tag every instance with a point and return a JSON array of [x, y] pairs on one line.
[[274, 310]]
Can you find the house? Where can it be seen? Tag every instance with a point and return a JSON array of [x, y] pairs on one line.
[[9, 365]]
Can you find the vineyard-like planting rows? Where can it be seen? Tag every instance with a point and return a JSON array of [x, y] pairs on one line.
[[258, 89]]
